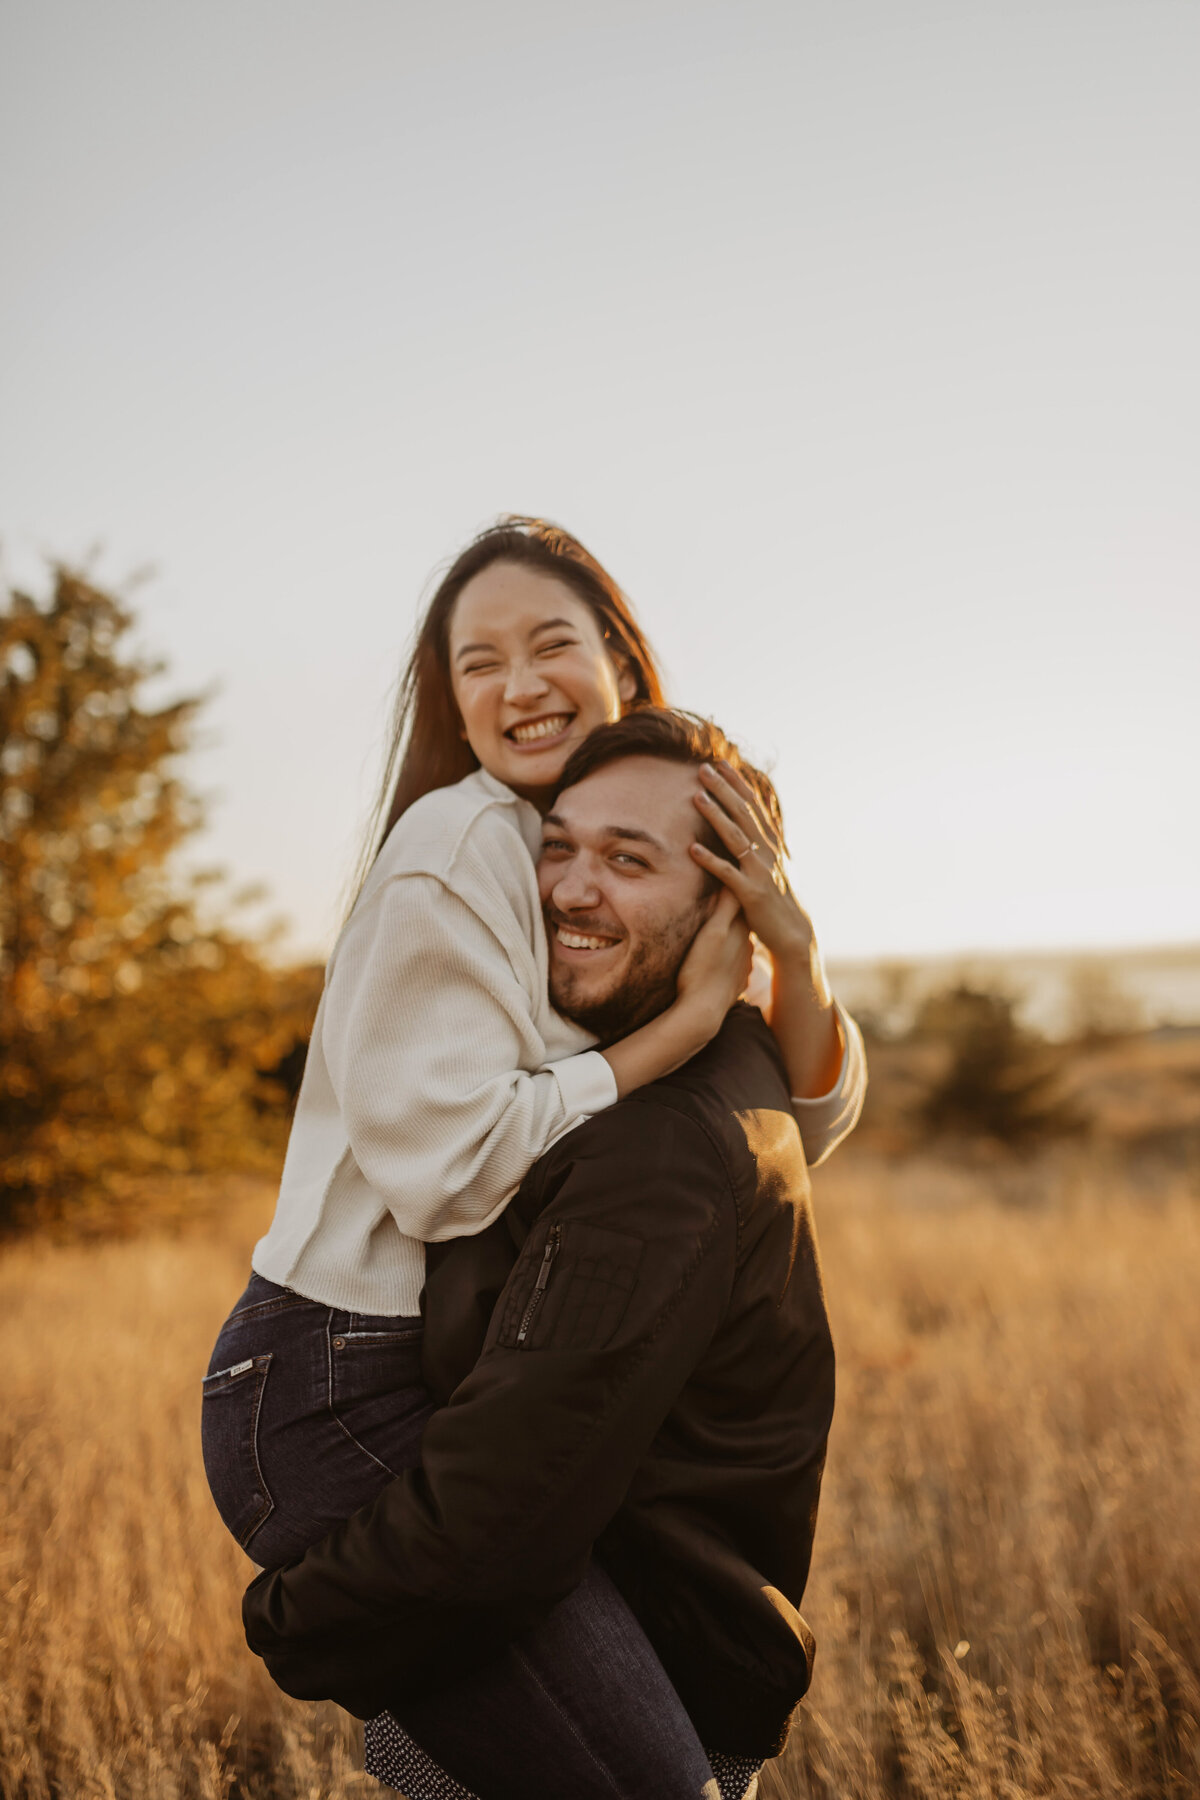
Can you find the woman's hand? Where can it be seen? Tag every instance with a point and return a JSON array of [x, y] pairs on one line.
[[758, 879], [712, 975], [717, 966], [802, 1014]]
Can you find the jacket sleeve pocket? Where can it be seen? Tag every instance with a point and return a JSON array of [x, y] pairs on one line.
[[572, 1287]]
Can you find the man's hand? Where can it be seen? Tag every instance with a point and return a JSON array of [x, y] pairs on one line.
[[711, 977]]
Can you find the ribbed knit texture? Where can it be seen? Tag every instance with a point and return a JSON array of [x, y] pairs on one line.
[[824, 1122], [438, 1072]]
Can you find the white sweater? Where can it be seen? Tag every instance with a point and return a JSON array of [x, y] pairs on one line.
[[438, 1072]]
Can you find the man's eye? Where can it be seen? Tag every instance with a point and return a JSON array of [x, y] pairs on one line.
[[625, 856], [554, 846]]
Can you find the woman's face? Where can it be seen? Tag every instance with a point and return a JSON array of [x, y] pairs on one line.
[[531, 675]]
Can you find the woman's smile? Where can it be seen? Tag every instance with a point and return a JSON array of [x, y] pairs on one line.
[[542, 731]]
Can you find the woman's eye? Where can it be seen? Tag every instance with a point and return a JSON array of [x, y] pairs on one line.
[[562, 644], [480, 668]]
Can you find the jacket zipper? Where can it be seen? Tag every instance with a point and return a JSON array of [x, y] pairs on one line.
[[535, 1299]]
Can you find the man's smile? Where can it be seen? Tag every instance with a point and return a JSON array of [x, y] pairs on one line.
[[570, 941], [578, 941]]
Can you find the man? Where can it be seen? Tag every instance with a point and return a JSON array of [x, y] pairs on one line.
[[635, 1358]]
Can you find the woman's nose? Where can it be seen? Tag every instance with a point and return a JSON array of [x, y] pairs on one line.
[[524, 683]]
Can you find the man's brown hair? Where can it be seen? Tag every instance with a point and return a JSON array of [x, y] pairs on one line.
[[675, 736]]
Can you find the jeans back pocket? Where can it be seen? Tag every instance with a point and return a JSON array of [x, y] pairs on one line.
[[376, 1390], [229, 1419]]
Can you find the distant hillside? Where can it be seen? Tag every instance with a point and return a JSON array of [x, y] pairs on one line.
[[1133, 1096], [1061, 993]]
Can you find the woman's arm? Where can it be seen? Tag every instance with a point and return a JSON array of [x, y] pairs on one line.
[[436, 1064], [803, 1016], [825, 1119], [822, 1047], [714, 972], [438, 1068]]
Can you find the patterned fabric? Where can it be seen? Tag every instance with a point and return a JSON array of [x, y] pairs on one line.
[[737, 1776], [391, 1756]]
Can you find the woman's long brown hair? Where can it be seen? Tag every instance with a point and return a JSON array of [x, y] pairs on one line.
[[427, 749]]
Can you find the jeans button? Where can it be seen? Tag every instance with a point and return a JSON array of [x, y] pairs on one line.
[[339, 1343]]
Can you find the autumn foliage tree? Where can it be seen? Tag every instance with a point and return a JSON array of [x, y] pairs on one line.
[[137, 1036]]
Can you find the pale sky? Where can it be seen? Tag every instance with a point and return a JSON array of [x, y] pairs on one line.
[[858, 339]]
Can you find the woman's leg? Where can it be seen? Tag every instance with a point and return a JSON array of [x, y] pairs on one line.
[[580, 1706], [394, 1758], [308, 1413]]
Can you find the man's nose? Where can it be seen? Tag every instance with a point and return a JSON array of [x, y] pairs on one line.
[[576, 889], [525, 683]]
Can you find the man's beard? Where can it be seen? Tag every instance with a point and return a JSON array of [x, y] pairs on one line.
[[646, 988]]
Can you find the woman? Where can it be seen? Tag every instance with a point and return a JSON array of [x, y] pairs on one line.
[[437, 1072]]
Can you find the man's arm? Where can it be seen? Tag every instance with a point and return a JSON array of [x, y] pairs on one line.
[[623, 1280]]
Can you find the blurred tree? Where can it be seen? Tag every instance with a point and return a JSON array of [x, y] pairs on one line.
[[134, 1035], [998, 1081]]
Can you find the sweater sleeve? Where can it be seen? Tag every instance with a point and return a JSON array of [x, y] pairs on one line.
[[436, 1063], [829, 1118]]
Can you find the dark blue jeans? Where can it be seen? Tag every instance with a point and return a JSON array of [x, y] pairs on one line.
[[308, 1412], [580, 1707]]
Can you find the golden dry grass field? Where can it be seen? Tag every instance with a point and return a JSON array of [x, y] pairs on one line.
[[1007, 1578]]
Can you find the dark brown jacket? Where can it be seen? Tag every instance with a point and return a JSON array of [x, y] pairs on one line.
[[655, 1380]]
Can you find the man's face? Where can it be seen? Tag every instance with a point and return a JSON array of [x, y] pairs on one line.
[[622, 896]]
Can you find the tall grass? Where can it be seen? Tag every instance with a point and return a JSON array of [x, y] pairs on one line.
[[1006, 1584], [1007, 1577]]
